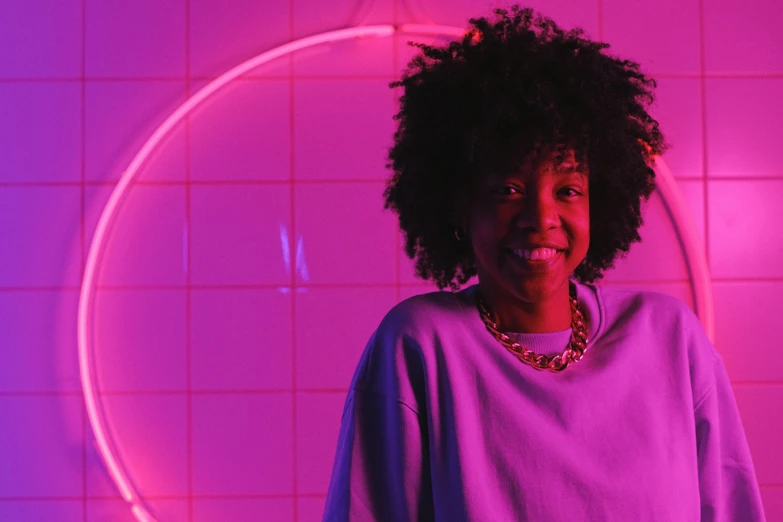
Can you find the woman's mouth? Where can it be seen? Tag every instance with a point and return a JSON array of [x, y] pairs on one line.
[[535, 254], [538, 258]]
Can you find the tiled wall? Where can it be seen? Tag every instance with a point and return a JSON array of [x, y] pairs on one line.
[[252, 258]]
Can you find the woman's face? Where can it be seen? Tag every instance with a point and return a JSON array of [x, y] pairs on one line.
[[542, 205]]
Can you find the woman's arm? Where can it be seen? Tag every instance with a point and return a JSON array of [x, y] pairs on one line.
[[381, 471], [727, 482]]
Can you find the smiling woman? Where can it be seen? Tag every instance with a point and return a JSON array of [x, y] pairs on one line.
[[533, 150], [529, 231]]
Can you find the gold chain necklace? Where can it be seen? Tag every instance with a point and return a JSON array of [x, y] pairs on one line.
[[554, 363]]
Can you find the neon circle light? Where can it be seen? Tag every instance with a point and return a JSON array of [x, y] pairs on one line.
[[672, 199]]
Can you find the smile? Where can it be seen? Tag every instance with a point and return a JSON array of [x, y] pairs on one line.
[[539, 258], [536, 254]]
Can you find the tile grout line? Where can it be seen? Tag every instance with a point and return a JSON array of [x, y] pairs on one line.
[[187, 266], [314, 181], [703, 104], [371, 285], [292, 259], [82, 233], [600, 13], [396, 72], [739, 75], [174, 497]]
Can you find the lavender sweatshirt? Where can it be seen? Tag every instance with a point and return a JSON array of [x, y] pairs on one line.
[[442, 423]]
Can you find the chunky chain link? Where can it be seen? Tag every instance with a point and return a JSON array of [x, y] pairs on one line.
[[554, 363]]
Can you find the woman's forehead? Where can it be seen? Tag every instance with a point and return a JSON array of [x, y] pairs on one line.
[[555, 162], [551, 156]]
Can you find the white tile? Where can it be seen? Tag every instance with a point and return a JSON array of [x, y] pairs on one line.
[[311, 509], [150, 432], [318, 426], [100, 483], [692, 192], [103, 510], [678, 111], [351, 57], [333, 326], [444, 13], [746, 328], [743, 36], [241, 339], [745, 239], [139, 340], [242, 444], [772, 497], [346, 236], [221, 38], [342, 129], [659, 242], [312, 17], [240, 235], [266, 509], [743, 130], [243, 133], [144, 38], [41, 135], [41, 236], [566, 13], [170, 510], [145, 243], [36, 510], [41, 39], [761, 410], [42, 443], [38, 336], [663, 37], [120, 116]]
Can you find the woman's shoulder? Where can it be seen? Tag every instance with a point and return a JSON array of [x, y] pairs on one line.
[[394, 360], [663, 317], [426, 311], [625, 302]]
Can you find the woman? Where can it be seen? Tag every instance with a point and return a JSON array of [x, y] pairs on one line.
[[522, 156]]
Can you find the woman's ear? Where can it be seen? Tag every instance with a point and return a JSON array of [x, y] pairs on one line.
[[459, 221], [460, 215]]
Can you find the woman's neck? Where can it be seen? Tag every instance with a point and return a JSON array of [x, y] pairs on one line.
[[514, 314]]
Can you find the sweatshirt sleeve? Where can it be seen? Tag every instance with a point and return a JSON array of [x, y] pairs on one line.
[[727, 482], [381, 468]]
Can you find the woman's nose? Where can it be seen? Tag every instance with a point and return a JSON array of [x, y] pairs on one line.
[[539, 213]]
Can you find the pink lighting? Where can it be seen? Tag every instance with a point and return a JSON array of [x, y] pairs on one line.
[[433, 30], [695, 259], [103, 438]]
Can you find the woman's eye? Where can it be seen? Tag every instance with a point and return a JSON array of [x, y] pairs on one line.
[[571, 191], [508, 190]]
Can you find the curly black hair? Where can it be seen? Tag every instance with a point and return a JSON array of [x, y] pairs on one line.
[[512, 87]]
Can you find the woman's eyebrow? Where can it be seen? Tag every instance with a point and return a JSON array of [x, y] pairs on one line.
[[569, 169]]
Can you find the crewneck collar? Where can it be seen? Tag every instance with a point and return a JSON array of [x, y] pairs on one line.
[[551, 343]]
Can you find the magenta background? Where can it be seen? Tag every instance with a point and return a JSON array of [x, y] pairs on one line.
[[223, 389]]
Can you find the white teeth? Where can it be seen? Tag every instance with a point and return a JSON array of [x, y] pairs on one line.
[[537, 254]]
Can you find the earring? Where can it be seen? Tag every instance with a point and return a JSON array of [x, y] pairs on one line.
[[457, 235]]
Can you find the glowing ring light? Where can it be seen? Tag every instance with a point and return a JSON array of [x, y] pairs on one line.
[[695, 260]]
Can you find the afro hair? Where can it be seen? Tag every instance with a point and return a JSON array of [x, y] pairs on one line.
[[513, 86]]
